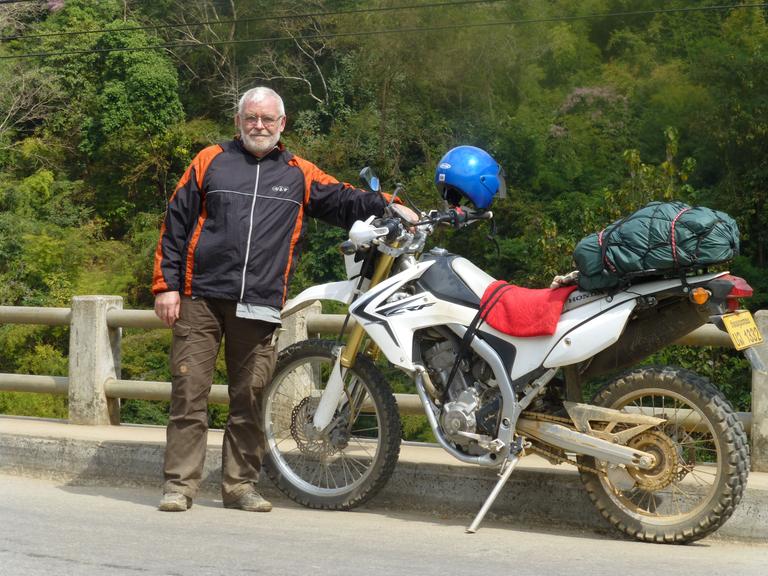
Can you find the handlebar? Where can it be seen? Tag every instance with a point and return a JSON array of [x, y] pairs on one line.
[[411, 236], [393, 225], [456, 217]]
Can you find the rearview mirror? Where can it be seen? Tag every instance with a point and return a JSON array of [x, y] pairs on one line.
[[370, 179]]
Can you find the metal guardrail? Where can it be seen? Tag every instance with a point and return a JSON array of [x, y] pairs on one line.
[[94, 386], [31, 383], [35, 315], [153, 390]]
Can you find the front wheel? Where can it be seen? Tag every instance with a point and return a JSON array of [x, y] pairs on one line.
[[347, 463], [701, 455]]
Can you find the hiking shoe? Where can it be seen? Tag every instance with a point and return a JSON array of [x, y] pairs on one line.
[[175, 502], [251, 502]]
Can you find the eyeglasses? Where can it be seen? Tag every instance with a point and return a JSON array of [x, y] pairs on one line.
[[267, 121]]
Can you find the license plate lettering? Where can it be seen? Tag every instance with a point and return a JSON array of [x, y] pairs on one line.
[[742, 329]]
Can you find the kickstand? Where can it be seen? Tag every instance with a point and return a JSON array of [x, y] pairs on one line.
[[504, 474]]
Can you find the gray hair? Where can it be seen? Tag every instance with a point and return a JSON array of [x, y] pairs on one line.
[[260, 93]]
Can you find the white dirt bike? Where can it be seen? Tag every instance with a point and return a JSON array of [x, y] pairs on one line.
[[659, 450]]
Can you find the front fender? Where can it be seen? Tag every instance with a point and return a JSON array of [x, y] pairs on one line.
[[342, 291]]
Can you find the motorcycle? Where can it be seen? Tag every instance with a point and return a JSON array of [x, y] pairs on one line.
[[660, 451]]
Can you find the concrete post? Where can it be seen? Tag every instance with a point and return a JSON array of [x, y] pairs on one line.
[[294, 327], [760, 400], [304, 379], [94, 356]]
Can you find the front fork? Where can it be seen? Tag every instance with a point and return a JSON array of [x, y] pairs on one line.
[[334, 389]]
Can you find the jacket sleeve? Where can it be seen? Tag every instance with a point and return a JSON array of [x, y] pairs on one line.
[[183, 212], [339, 203]]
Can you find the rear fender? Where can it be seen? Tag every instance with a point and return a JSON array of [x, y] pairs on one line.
[[591, 337]]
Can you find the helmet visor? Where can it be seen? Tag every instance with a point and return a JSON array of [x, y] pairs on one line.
[[502, 192]]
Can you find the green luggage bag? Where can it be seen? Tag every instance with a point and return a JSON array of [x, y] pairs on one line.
[[661, 239]]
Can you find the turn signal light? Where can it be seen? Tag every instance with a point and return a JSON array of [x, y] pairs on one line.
[[700, 295]]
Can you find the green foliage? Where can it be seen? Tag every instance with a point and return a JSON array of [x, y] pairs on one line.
[[734, 67], [29, 347], [144, 412], [135, 89], [145, 357], [44, 359], [109, 270], [322, 261], [758, 280], [416, 429], [728, 370], [33, 193], [29, 404], [591, 118]]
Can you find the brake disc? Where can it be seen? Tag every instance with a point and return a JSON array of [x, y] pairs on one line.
[[308, 440]]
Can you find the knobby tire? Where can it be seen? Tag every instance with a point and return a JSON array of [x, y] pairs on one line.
[[284, 466], [729, 447]]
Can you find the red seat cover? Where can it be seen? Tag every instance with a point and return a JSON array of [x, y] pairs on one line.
[[521, 311]]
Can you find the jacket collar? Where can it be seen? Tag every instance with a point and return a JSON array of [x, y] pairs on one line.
[[273, 154]]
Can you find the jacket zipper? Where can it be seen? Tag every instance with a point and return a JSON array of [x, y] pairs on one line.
[[250, 231]]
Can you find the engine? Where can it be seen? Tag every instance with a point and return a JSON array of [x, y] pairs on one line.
[[471, 402]]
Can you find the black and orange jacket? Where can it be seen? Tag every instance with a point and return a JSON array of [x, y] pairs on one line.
[[235, 224]]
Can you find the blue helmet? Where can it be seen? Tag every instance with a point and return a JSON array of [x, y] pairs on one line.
[[469, 173]]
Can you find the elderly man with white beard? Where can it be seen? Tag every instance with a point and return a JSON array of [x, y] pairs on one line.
[[227, 250]]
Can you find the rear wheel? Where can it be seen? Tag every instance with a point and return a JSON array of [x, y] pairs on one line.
[[347, 463], [701, 454]]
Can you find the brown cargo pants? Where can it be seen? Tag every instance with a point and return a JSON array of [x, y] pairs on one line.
[[250, 359]]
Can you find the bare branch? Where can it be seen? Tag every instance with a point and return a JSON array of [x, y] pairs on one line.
[[14, 17], [224, 74], [301, 66], [25, 96]]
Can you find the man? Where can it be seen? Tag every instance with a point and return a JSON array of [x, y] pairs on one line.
[[227, 250]]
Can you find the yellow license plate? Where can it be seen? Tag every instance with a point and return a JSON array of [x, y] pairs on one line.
[[742, 329]]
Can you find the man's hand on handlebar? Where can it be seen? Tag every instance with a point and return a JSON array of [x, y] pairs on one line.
[[457, 217]]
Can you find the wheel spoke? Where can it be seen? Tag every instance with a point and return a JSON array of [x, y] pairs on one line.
[[684, 494], [331, 477], [365, 447], [675, 501], [695, 482], [369, 429], [340, 461], [345, 468], [358, 464], [698, 473], [318, 473], [278, 444]]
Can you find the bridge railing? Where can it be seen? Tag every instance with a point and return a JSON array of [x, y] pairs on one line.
[[94, 387]]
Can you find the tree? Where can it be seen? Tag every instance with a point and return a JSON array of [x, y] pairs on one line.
[[734, 67], [26, 98]]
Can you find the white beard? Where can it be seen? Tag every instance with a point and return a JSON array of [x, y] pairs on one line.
[[259, 144]]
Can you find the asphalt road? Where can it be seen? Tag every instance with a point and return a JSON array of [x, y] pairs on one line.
[[56, 530]]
